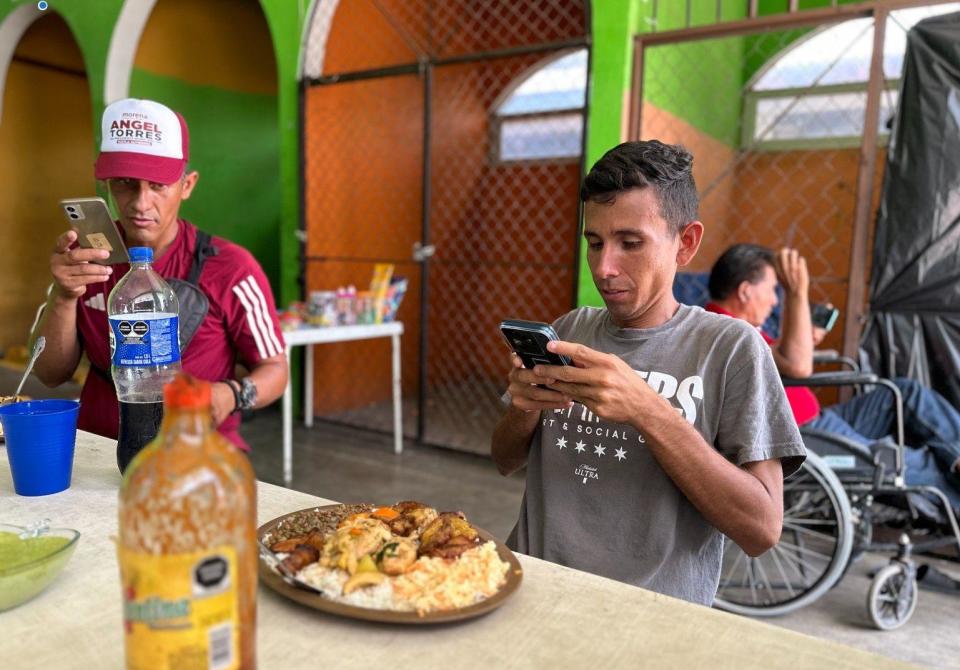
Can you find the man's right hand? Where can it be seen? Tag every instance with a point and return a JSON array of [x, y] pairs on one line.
[[524, 393], [792, 272], [74, 269]]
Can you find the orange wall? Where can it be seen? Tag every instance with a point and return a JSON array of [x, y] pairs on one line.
[[804, 199], [46, 154], [363, 167], [362, 196], [215, 54], [801, 198], [505, 234], [713, 172]]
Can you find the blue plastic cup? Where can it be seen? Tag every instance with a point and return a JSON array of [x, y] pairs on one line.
[[41, 436]]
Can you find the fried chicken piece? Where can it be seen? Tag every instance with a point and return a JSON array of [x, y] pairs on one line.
[[452, 549], [414, 516], [449, 533], [301, 556], [407, 505], [286, 546]]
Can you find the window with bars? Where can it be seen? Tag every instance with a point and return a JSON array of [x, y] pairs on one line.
[[814, 93], [540, 118]]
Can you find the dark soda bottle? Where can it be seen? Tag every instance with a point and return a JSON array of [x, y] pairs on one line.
[[143, 312]]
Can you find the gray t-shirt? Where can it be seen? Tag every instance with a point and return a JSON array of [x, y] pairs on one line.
[[596, 498]]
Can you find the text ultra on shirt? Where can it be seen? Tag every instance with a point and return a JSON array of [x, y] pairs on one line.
[[596, 498]]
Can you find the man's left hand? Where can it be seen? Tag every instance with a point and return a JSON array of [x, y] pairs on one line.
[[606, 385], [222, 402]]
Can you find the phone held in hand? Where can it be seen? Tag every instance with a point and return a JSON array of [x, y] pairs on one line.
[[95, 228], [822, 316], [528, 339]]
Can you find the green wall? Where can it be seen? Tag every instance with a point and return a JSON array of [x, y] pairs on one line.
[[231, 193], [674, 75], [238, 195]]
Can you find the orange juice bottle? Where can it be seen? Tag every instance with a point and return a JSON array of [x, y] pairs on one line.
[[187, 543]]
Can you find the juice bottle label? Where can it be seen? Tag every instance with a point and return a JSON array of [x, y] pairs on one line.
[[144, 339], [180, 610]]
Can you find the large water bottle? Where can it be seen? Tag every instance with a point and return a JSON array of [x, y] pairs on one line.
[[144, 349]]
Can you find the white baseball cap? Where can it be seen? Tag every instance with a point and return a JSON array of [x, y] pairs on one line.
[[142, 139]]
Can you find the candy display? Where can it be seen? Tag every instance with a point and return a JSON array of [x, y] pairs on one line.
[[346, 306]]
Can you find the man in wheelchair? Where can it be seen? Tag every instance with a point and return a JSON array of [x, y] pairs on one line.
[[743, 284]]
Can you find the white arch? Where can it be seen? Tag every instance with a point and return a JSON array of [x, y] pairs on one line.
[[11, 31], [316, 34], [532, 71], [123, 48]]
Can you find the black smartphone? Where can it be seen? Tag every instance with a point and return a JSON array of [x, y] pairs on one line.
[[822, 316], [528, 339]]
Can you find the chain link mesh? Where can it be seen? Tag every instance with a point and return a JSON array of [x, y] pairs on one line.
[[503, 217], [780, 174]]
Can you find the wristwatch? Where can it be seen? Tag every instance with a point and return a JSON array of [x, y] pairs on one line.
[[248, 394], [244, 393]]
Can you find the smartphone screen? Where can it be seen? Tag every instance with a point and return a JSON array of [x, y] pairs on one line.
[[528, 339], [823, 317], [95, 228]]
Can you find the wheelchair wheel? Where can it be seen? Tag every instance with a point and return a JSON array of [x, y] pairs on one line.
[[813, 551], [892, 597]]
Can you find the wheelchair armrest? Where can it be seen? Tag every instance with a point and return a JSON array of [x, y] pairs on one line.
[[824, 356], [855, 379], [833, 379]]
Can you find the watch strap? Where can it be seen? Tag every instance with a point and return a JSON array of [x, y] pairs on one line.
[[234, 386]]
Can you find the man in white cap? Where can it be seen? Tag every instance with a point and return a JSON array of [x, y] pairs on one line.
[[143, 159]]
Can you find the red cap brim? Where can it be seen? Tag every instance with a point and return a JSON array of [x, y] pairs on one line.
[[128, 165]]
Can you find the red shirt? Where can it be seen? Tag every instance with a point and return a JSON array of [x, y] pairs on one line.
[[802, 401], [241, 325]]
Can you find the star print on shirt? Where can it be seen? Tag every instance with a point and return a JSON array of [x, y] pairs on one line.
[[561, 442], [599, 449], [581, 447], [621, 454]]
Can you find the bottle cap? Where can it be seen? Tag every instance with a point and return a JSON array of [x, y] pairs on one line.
[[140, 254], [186, 392]]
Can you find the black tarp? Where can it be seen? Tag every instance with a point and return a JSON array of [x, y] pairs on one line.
[[913, 327]]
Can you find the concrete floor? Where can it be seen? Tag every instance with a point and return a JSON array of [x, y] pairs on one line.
[[344, 464]]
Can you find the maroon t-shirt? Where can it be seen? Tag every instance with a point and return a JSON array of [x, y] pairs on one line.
[[241, 325]]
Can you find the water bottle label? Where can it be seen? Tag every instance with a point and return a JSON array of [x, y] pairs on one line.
[[144, 339]]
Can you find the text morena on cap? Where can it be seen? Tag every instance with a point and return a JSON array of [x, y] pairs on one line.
[[142, 139]]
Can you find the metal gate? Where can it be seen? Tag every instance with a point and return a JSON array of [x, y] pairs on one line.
[[415, 154], [787, 116]]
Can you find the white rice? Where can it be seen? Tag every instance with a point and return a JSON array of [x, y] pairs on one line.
[[433, 584], [331, 581]]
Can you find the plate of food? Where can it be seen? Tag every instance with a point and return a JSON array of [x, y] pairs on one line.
[[405, 563]]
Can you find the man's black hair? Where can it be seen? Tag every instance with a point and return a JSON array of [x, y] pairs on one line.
[[739, 263], [666, 168]]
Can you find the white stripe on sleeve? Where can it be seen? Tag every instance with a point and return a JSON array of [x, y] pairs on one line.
[[251, 320], [267, 321], [259, 312]]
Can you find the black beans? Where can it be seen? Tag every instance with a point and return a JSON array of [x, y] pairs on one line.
[[323, 520]]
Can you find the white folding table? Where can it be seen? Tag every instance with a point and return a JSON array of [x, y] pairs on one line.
[[307, 337]]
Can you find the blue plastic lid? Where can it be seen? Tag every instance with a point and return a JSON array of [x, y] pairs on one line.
[[140, 254]]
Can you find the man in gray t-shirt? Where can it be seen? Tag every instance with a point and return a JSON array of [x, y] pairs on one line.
[[672, 428]]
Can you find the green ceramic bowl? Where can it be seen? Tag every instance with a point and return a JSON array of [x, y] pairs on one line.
[[28, 565]]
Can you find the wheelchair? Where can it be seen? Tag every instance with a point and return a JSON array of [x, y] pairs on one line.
[[832, 506]]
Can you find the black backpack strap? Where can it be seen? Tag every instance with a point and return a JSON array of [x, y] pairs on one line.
[[202, 251]]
